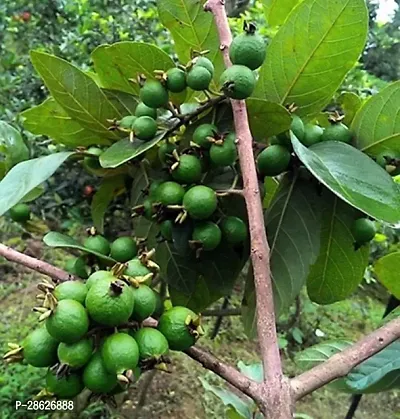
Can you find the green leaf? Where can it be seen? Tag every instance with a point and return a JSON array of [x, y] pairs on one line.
[[33, 194], [253, 371], [339, 268], [12, 146], [271, 186], [116, 64], [55, 239], [318, 354], [376, 125], [276, 11], [50, 119], [293, 222], [125, 102], [229, 399], [192, 29], [123, 151], [350, 104], [312, 52], [387, 270], [77, 93], [26, 176], [267, 118], [232, 413], [353, 177], [370, 372], [109, 188]]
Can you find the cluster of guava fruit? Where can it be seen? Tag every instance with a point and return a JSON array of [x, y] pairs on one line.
[[94, 335]]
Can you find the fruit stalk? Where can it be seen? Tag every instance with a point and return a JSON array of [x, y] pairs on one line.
[[277, 400]]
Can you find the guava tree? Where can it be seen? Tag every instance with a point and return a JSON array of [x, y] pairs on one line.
[[225, 157]]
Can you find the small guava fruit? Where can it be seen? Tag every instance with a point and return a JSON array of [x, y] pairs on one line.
[[110, 303], [165, 151], [152, 343], [75, 355], [202, 134], [159, 306], [20, 213], [273, 160], [208, 234], [145, 302], [170, 193], [224, 154], [40, 348], [200, 202], [248, 49], [96, 377], [337, 132], [237, 82], [136, 269], [145, 128], [148, 209], [77, 266], [98, 244], [198, 78], [166, 229], [92, 162], [66, 387], [127, 122], [97, 276], [144, 110], [297, 127], [123, 249], [386, 157], [234, 230], [363, 230], [120, 353], [312, 135], [153, 94], [176, 80], [179, 325], [69, 322], [153, 189], [188, 170], [71, 290], [204, 62]]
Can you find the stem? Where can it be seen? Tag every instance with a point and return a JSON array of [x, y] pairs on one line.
[[277, 400], [342, 363], [44, 268]]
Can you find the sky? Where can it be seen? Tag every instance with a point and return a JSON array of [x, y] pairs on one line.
[[386, 10]]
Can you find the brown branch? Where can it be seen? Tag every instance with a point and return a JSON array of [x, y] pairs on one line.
[[44, 268], [342, 363], [277, 400]]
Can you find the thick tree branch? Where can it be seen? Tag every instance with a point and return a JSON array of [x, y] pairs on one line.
[[342, 363], [44, 268], [277, 401]]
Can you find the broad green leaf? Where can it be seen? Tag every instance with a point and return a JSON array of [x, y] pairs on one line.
[[276, 11], [116, 64], [267, 118], [318, 354], [293, 222], [50, 119], [229, 398], [253, 371], [192, 29], [312, 52], [350, 104], [109, 189], [12, 146], [374, 369], [77, 93], [353, 177], [339, 268], [387, 270], [376, 126], [232, 413], [55, 239], [26, 176], [33, 194], [125, 102], [271, 186], [123, 151]]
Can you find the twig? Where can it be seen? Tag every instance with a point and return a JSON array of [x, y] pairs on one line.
[[218, 322], [342, 363], [277, 400], [44, 268]]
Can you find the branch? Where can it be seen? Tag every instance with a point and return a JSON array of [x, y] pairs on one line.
[[222, 312], [44, 268], [342, 363]]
